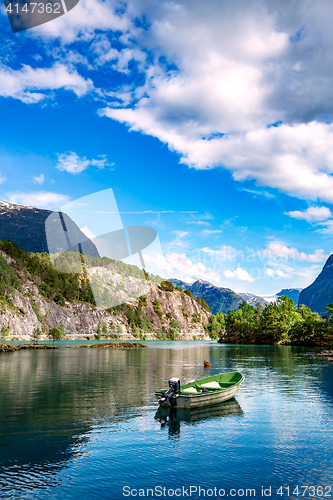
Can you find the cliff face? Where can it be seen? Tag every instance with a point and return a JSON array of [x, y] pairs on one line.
[[25, 226], [320, 292], [292, 293], [176, 306], [167, 314]]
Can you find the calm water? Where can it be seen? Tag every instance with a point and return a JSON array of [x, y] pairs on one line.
[[82, 424]]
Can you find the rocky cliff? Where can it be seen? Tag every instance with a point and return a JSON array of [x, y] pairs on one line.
[[25, 226], [320, 292], [156, 314]]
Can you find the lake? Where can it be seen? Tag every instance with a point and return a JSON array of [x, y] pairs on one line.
[[82, 424]]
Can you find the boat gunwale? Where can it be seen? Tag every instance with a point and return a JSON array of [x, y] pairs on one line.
[[216, 391]]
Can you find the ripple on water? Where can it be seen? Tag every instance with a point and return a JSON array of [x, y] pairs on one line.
[[81, 424]]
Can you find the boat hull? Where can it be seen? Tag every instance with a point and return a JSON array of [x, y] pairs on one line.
[[204, 399]]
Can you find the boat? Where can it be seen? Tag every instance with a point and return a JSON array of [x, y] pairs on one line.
[[203, 392]]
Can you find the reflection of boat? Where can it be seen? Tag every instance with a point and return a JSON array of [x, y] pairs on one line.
[[191, 415], [206, 391]]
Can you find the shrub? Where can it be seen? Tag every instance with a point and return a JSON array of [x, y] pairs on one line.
[[167, 286], [98, 334], [5, 331], [36, 310], [196, 318], [157, 309], [56, 333], [35, 336], [174, 329]]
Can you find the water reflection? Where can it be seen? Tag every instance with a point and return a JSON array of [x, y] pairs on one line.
[[71, 415], [52, 401], [172, 417]]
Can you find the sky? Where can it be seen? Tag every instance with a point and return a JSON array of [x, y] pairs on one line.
[[210, 121]]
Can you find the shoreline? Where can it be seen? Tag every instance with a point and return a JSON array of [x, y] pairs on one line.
[[106, 345], [123, 337]]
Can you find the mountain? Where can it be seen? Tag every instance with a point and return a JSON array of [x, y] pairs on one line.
[[219, 299], [320, 292], [292, 293], [25, 226], [33, 294], [252, 299]]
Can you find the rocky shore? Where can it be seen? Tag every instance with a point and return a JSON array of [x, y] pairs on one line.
[[12, 348], [103, 345], [111, 345]]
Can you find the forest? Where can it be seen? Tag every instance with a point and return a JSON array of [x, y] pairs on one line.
[[280, 322]]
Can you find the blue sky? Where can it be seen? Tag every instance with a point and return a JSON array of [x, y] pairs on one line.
[[211, 122]]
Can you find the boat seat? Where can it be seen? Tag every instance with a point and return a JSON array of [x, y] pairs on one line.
[[190, 389], [211, 385]]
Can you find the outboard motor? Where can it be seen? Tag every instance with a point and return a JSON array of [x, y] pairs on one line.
[[172, 393]]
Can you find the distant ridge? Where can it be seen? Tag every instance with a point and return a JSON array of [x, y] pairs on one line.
[[292, 293], [25, 226], [218, 298]]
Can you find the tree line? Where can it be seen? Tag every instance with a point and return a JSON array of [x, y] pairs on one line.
[[280, 322]]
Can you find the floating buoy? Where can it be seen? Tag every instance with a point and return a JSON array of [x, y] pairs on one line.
[[206, 364]]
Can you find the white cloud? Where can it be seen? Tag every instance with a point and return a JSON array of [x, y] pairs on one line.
[[239, 68], [312, 214], [2, 179], [103, 162], [218, 75], [178, 265], [40, 179], [119, 58], [277, 272], [277, 249], [208, 232], [24, 84], [239, 274], [82, 21], [296, 159], [86, 231], [225, 252], [198, 222], [39, 199], [327, 227], [70, 162], [266, 194], [179, 241]]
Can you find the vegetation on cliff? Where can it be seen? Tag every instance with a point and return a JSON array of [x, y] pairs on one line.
[[278, 323], [164, 310]]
